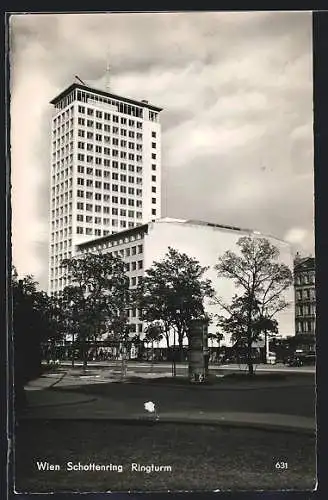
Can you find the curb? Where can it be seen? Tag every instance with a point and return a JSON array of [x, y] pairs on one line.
[[199, 387], [140, 420], [56, 405]]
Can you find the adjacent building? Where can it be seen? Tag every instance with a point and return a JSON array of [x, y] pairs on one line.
[[105, 170], [140, 246], [305, 298]]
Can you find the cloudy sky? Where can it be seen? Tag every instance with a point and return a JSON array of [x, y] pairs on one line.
[[236, 89]]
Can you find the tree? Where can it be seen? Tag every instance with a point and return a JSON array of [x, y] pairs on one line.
[[173, 292], [33, 324], [218, 336], [154, 333], [100, 289], [262, 281]]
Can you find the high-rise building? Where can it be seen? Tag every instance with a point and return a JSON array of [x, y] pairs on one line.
[[105, 170]]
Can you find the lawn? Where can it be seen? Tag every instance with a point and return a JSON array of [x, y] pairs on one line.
[[200, 457]]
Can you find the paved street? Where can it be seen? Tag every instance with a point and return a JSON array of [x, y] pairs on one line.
[[182, 368]]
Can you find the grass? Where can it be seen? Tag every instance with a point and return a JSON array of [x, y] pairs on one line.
[[201, 457]]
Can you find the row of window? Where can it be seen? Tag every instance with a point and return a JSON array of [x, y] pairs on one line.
[[131, 202], [305, 278], [305, 310], [106, 221], [114, 164], [105, 126], [305, 326], [114, 130], [115, 176], [115, 142], [98, 160], [306, 294]]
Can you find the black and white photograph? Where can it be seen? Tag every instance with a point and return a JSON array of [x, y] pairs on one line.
[[163, 251]]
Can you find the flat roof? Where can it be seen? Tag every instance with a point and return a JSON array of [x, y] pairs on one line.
[[79, 86], [113, 236], [136, 229]]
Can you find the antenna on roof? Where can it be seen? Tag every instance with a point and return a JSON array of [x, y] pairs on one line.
[[81, 81], [107, 80]]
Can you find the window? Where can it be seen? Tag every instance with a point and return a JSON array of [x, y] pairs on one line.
[[80, 193], [134, 250], [131, 213], [98, 137], [79, 230], [127, 253], [139, 264], [153, 155], [90, 112], [88, 230], [90, 123], [98, 172], [98, 184], [80, 133], [98, 126], [80, 169], [140, 248], [98, 114], [98, 196], [106, 186], [80, 157], [153, 178], [130, 202], [153, 189], [97, 208], [115, 118], [89, 135], [80, 205], [133, 266], [88, 218], [153, 212], [153, 167], [80, 181], [123, 201], [81, 121], [153, 144], [89, 170], [153, 134], [153, 200]]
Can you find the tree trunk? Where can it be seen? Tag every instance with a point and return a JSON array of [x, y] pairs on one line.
[[249, 358]]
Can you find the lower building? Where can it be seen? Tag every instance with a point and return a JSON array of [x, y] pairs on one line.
[[141, 246]]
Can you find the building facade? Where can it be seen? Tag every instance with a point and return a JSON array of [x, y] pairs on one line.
[[141, 246], [105, 170], [305, 297]]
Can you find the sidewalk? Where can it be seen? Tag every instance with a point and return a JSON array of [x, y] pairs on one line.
[[58, 405]]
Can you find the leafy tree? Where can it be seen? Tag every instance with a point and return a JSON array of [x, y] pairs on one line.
[[33, 324], [262, 281], [100, 290], [154, 333], [173, 291]]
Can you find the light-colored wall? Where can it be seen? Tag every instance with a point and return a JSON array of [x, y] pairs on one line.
[[206, 244]]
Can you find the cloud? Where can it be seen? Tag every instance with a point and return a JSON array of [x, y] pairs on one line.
[[236, 89]]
